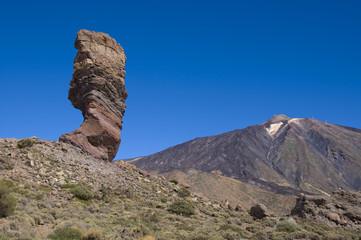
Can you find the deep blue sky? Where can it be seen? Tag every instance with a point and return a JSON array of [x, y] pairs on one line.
[[195, 68]]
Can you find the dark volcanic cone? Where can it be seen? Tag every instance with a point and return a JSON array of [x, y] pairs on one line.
[[283, 155]]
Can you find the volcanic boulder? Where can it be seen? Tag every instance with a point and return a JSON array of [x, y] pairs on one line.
[[259, 211], [98, 90]]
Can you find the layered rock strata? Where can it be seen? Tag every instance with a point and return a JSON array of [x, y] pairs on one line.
[[98, 90]]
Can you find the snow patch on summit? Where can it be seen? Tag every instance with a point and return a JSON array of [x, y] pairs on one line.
[[273, 128]]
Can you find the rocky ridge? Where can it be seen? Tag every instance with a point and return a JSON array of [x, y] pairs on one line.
[[98, 90]]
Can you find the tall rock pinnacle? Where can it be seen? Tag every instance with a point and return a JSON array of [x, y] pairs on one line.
[[98, 90]]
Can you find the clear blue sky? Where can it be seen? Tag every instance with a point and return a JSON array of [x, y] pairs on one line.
[[195, 68]]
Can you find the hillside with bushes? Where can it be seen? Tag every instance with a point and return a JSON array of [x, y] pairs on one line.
[[52, 190]]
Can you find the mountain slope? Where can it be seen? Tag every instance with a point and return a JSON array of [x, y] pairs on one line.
[[115, 200], [236, 193], [283, 155], [51, 190]]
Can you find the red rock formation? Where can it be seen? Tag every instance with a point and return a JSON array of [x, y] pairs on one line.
[[98, 90]]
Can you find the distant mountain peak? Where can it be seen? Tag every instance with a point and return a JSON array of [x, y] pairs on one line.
[[282, 154], [276, 119]]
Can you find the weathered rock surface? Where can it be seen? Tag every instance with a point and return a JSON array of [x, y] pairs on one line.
[[98, 90], [343, 208], [259, 211]]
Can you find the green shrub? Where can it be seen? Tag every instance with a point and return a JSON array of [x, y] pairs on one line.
[[285, 226], [44, 188], [230, 235], [93, 235], [252, 229], [7, 201], [66, 234], [163, 199], [182, 208], [82, 192], [233, 228], [23, 143], [130, 193], [69, 185], [7, 205], [39, 197], [200, 236], [184, 192], [85, 202], [268, 222], [6, 164], [175, 181]]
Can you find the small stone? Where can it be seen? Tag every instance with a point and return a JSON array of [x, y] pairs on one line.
[[14, 226], [231, 207], [60, 182], [224, 203], [41, 171], [343, 222], [239, 208], [334, 217], [216, 206], [162, 178], [185, 185], [144, 173], [292, 221]]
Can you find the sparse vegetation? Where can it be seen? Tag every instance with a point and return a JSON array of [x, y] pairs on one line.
[[175, 181], [69, 186], [66, 234], [24, 143], [93, 235], [285, 226], [82, 192], [6, 164], [182, 208], [7, 200], [184, 192], [233, 228], [123, 205]]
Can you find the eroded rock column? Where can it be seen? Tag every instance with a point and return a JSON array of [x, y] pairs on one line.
[[98, 90]]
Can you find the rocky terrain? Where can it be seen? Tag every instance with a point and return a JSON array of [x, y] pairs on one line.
[[282, 155], [98, 90], [342, 208], [54, 190]]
